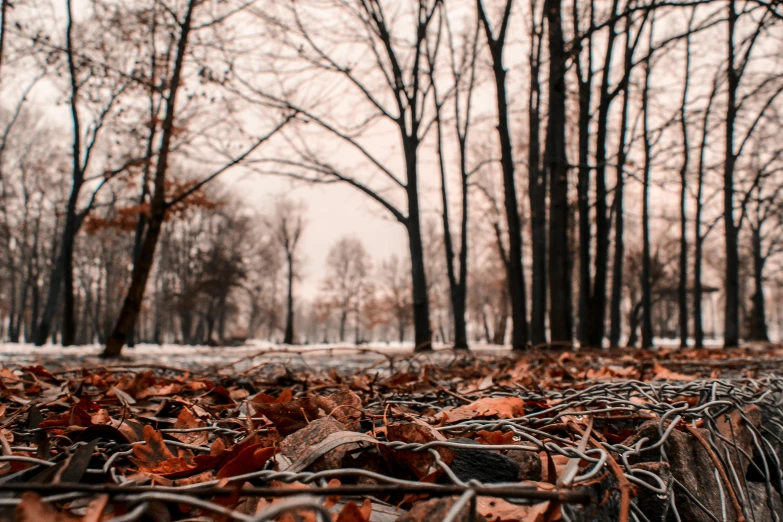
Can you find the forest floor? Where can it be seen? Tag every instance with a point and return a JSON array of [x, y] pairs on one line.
[[377, 434]]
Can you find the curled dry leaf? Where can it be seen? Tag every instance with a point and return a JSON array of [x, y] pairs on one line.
[[291, 416], [353, 513], [344, 405], [32, 508], [419, 463], [665, 374], [187, 421], [613, 371], [154, 457], [499, 510], [252, 458], [488, 407]]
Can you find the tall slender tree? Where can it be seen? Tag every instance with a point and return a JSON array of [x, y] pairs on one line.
[[516, 276], [682, 287], [560, 315]]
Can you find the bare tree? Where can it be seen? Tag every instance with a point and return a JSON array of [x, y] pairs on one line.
[[537, 180], [560, 317], [516, 275], [83, 91], [738, 58], [287, 223], [462, 57], [396, 87], [647, 282], [161, 202], [348, 266]]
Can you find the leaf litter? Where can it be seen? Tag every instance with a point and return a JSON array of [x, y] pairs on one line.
[[286, 442]]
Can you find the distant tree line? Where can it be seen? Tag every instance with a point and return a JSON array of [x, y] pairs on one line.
[[565, 171]]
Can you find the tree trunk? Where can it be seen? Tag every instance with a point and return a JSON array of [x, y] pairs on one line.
[[3, 15], [456, 287], [758, 330], [537, 186], [633, 325], [682, 288], [516, 276], [501, 321], [615, 314], [698, 237], [560, 316], [731, 318], [597, 323], [288, 336], [485, 324], [141, 269], [647, 331], [422, 333], [44, 327], [586, 313], [343, 319], [69, 309], [63, 272]]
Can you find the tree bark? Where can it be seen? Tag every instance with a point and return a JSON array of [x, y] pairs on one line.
[[647, 330], [587, 316], [421, 308], [63, 271], [731, 317], [597, 323], [4, 15], [343, 319], [698, 237], [759, 313], [288, 336], [615, 307], [560, 315], [537, 187], [456, 286], [682, 288]]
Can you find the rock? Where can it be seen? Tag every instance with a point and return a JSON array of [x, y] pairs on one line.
[[604, 509], [762, 502], [735, 428], [691, 466], [529, 463], [436, 509], [300, 441], [486, 466], [654, 507]]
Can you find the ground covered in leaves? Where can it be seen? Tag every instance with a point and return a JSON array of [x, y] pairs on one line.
[[546, 436]]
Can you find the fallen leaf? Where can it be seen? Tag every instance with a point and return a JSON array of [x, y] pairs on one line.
[[495, 407], [499, 510], [353, 513], [32, 508], [660, 372], [187, 421], [252, 458]]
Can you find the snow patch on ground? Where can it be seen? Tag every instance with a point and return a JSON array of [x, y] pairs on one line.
[[254, 352], [174, 355]]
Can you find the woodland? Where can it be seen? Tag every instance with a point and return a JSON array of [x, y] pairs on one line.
[[566, 173]]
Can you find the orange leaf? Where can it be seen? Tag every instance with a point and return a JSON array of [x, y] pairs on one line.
[[154, 450], [500, 407]]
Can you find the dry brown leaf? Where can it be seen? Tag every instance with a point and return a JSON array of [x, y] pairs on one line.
[[665, 374], [96, 508], [32, 508], [499, 510], [496, 407], [186, 420]]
